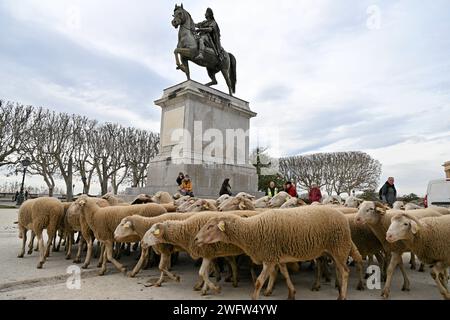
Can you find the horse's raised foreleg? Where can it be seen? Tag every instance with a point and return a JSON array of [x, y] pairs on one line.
[[212, 75], [177, 59]]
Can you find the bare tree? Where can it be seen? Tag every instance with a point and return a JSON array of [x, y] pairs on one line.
[[141, 147], [38, 147], [337, 172], [107, 149], [84, 160], [14, 130]]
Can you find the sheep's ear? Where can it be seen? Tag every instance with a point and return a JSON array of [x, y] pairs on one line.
[[287, 198], [414, 227], [380, 208], [242, 205], [221, 226]]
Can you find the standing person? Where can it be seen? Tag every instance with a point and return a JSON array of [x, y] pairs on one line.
[[388, 193], [226, 188], [26, 194], [290, 189], [186, 186], [16, 195], [180, 179], [272, 190], [314, 194]]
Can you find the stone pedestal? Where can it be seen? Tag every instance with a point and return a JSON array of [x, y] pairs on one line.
[[204, 133]]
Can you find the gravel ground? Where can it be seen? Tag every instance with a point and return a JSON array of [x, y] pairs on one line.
[[19, 279]]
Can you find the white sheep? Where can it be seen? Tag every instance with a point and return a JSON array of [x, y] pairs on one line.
[[37, 215], [330, 199], [162, 197], [222, 199], [203, 205], [353, 202], [412, 206], [375, 214], [429, 238], [237, 203], [262, 202], [103, 222], [283, 236], [279, 199], [293, 203], [245, 195], [398, 205], [182, 234]]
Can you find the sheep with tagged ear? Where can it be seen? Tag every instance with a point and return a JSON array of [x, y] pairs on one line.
[[237, 203], [37, 215], [262, 202], [182, 234], [203, 205], [353, 202], [279, 199], [293, 203], [429, 238], [277, 237], [136, 226], [378, 217], [103, 222]]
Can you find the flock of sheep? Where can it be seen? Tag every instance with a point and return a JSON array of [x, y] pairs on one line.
[[276, 233]]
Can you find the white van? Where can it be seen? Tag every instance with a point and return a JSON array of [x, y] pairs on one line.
[[438, 193]]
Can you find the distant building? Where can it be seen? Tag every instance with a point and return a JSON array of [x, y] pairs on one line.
[[447, 169]]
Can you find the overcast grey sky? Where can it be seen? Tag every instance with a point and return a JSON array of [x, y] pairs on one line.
[[331, 75]]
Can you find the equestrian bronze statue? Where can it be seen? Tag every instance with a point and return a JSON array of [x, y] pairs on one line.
[[200, 43]]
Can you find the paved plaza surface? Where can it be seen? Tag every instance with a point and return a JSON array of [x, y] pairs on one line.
[[19, 279]]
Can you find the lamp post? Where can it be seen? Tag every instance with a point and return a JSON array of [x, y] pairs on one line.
[[25, 163]]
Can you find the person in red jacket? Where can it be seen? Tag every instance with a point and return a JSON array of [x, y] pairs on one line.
[[290, 189], [314, 193]]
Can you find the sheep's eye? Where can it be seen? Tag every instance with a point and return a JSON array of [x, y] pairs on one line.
[[406, 224]]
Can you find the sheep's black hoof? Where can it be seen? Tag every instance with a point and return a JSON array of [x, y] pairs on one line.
[[68, 257], [360, 287], [131, 274], [20, 255], [315, 288], [30, 252], [77, 261], [40, 264], [84, 266]]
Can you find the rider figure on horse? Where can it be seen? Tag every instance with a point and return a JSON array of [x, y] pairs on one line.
[[209, 33]]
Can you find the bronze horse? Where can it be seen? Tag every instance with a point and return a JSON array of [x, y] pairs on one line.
[[188, 50]]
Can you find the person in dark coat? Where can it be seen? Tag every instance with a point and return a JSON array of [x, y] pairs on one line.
[[180, 179], [388, 193], [226, 188]]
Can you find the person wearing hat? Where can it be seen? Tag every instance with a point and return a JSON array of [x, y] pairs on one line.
[[186, 186], [314, 194], [180, 179]]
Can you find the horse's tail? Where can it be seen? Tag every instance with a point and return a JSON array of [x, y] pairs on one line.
[[232, 72]]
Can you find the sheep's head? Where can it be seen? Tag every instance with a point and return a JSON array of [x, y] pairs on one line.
[[125, 230], [245, 195], [403, 227], [278, 200], [213, 231], [398, 205], [154, 235], [353, 202], [370, 212], [185, 206], [237, 203], [142, 198], [81, 201], [262, 202], [199, 205], [222, 199]]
